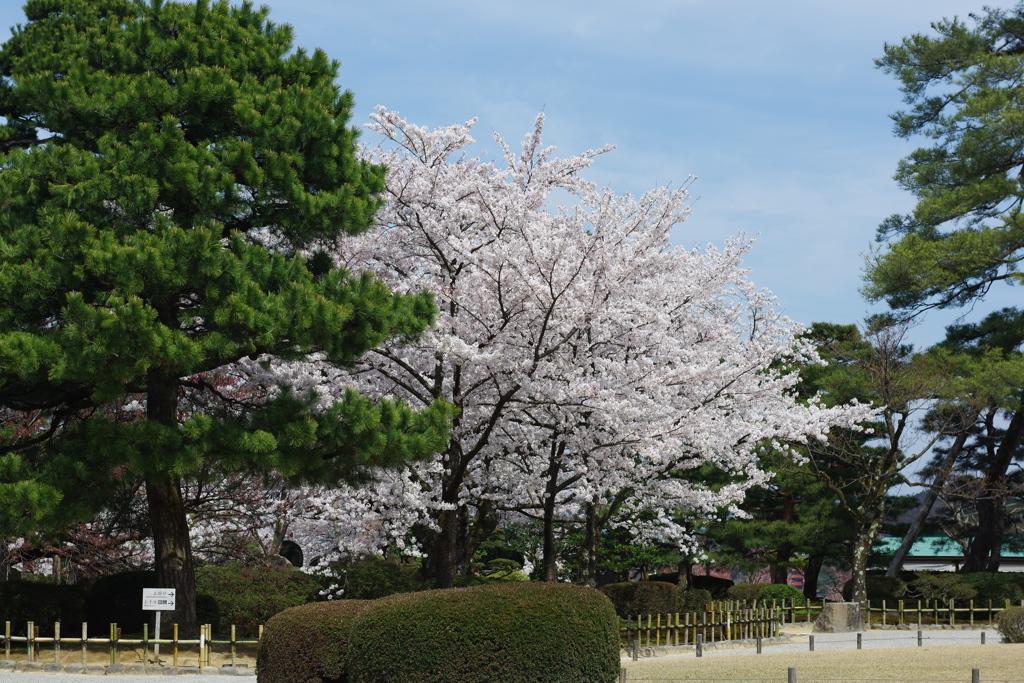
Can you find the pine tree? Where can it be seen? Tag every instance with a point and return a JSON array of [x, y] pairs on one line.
[[163, 169]]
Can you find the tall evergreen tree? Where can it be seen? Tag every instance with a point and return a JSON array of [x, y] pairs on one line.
[[963, 86], [163, 169]]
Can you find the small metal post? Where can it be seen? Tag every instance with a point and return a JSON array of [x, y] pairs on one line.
[[700, 645], [975, 675], [759, 645], [791, 678], [920, 638], [982, 637], [810, 642], [636, 649], [622, 674], [859, 641]]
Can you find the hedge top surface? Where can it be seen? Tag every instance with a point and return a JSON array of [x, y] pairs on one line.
[[506, 632]]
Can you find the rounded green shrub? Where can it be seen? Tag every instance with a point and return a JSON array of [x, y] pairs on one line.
[[780, 591], [248, 595], [631, 598], [745, 591], [1010, 623], [308, 643], [509, 632], [372, 577]]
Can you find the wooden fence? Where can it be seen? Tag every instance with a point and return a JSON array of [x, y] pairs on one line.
[[740, 619], [897, 612], [32, 644]]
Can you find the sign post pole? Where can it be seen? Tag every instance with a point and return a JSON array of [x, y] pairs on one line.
[[158, 600]]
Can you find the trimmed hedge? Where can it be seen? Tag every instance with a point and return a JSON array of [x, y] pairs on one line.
[[44, 603], [117, 598], [781, 591], [879, 588], [631, 598], [694, 600], [308, 643], [994, 587], [249, 595], [511, 632], [745, 591]]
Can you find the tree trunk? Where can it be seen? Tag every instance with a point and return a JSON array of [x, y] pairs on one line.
[[550, 553], [984, 551], [685, 579], [926, 505], [588, 551], [811, 572], [168, 521], [779, 569], [173, 550], [861, 550], [446, 549]]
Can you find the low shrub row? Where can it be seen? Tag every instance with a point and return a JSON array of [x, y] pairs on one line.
[[243, 595], [511, 632], [980, 587]]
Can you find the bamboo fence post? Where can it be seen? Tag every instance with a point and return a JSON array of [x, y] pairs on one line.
[[972, 611], [113, 643], [676, 633], [7, 640], [30, 641], [174, 637], [952, 612], [657, 631], [209, 644], [232, 645], [85, 643], [56, 642], [145, 644]]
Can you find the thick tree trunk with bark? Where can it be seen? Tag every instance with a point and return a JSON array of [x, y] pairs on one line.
[[861, 550], [173, 550], [169, 523], [983, 554], [811, 572], [779, 569]]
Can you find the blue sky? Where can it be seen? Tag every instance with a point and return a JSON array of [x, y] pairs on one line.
[[776, 107]]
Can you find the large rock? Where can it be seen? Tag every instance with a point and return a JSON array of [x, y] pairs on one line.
[[839, 617]]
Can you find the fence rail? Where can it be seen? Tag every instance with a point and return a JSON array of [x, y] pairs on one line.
[[33, 644], [742, 619], [793, 677]]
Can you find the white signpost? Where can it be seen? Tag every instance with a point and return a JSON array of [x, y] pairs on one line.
[[158, 600]]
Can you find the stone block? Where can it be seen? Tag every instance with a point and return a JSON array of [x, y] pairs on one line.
[[839, 617]]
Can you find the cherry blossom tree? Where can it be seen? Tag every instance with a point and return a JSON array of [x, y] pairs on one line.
[[592, 364]]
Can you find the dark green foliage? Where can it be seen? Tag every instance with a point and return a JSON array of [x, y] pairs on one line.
[[513, 633], [693, 600], [995, 587], [43, 603], [374, 577], [208, 611], [162, 165], [780, 591], [1010, 623], [887, 588], [631, 598], [117, 598], [942, 586], [249, 595], [745, 591], [309, 643], [716, 586]]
